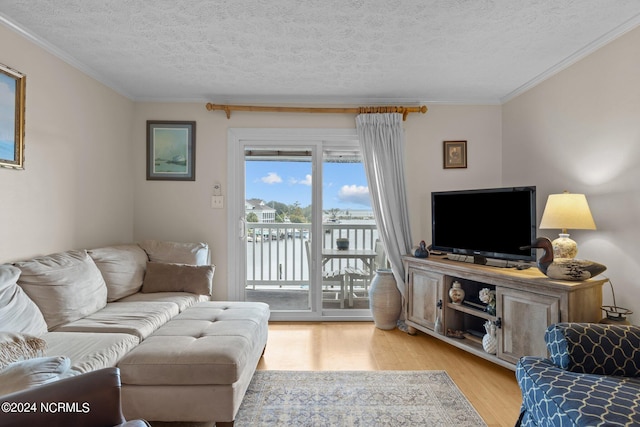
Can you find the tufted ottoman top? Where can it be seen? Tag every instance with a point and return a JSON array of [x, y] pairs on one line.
[[208, 343]]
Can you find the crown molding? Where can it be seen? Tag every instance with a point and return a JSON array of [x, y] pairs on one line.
[[62, 55], [607, 38]]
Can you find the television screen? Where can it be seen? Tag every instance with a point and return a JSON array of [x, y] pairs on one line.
[[490, 223]]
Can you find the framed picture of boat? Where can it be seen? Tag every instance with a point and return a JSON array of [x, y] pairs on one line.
[[12, 96], [171, 150]]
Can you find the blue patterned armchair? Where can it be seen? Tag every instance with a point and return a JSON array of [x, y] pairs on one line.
[[592, 377]]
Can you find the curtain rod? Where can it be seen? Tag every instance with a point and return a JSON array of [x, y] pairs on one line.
[[353, 110]]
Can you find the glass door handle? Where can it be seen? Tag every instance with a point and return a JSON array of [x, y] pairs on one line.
[[242, 228]]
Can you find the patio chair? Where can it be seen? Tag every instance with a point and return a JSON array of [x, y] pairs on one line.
[[329, 276]]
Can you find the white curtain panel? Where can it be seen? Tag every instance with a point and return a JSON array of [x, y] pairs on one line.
[[382, 143]]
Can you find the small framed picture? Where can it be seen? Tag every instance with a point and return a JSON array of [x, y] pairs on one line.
[[171, 151], [12, 96], [455, 154]]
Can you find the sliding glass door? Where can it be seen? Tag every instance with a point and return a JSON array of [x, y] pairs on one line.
[[297, 197]]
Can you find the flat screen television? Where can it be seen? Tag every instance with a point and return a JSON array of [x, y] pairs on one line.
[[485, 223]]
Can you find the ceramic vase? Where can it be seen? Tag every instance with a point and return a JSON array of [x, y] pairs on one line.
[[385, 300], [456, 293], [489, 341]]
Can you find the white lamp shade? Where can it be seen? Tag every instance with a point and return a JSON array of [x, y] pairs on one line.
[[567, 211]]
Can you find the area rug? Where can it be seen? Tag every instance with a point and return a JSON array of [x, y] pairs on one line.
[[355, 398]]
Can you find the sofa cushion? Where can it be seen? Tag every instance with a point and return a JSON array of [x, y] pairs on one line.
[[15, 347], [164, 277], [66, 286], [182, 299], [175, 252], [135, 318], [18, 313], [595, 348], [210, 343], [122, 268], [32, 372], [90, 351]]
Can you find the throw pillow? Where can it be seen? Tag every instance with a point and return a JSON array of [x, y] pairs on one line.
[[178, 253], [162, 277], [66, 286], [18, 313], [122, 268], [33, 372], [15, 347]]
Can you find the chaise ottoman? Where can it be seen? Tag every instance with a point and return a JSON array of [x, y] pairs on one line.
[[197, 366]]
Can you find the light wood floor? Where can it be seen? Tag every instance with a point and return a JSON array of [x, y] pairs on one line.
[[360, 346]]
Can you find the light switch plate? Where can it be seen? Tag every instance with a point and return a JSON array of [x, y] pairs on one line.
[[217, 202]]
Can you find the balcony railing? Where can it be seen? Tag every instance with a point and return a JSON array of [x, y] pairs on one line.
[[276, 251]]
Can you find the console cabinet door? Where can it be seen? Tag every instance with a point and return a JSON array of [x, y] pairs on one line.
[[525, 317], [425, 290]]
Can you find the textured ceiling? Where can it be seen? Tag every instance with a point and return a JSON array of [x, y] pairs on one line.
[[321, 51]]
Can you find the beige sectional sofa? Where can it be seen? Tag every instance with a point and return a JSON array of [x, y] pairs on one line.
[[146, 309]]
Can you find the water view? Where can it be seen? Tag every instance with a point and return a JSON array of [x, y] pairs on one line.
[[7, 151]]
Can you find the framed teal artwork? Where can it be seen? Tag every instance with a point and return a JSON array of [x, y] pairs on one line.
[[171, 150], [12, 96]]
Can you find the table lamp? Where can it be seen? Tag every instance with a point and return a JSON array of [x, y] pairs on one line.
[[566, 211]]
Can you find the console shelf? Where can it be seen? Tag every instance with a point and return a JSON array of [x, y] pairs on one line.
[[472, 311], [527, 302]]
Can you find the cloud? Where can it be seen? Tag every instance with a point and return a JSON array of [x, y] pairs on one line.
[[305, 181], [354, 194], [271, 178]]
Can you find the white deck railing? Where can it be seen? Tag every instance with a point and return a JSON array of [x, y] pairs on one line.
[[276, 251]]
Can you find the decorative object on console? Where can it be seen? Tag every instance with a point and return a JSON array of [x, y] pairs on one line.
[[385, 300], [614, 314], [342, 243], [437, 326], [489, 341], [456, 293], [564, 268], [488, 297], [566, 211], [422, 251], [455, 333]]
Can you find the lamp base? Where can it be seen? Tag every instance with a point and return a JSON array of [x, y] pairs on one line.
[[564, 247]]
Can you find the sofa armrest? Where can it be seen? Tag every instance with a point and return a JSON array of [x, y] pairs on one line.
[[91, 399], [595, 348]]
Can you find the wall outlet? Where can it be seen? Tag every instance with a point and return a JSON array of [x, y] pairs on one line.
[[217, 202]]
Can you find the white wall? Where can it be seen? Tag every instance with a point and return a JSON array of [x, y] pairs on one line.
[[480, 126], [181, 210], [580, 131], [75, 190]]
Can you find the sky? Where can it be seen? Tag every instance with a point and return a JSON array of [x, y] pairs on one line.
[[7, 109], [345, 184]]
